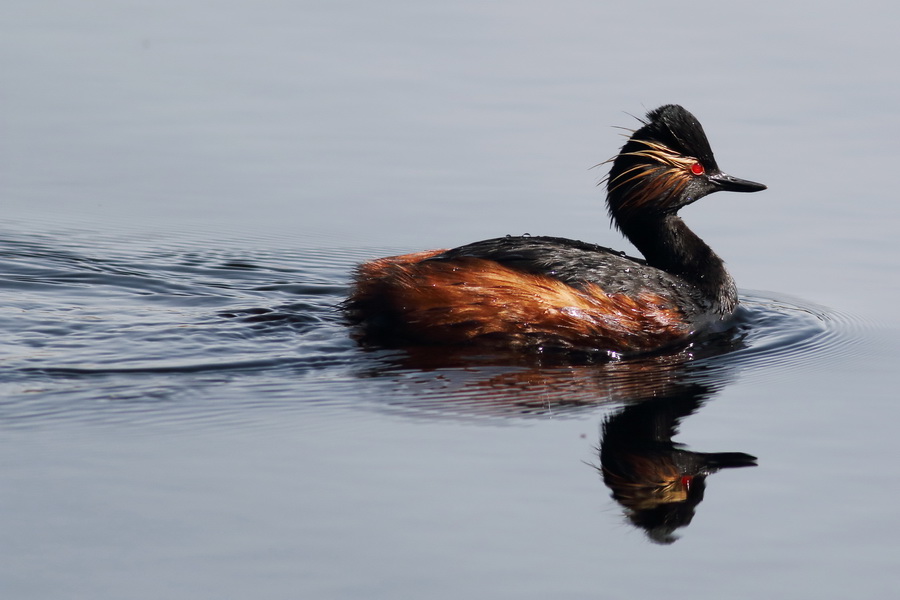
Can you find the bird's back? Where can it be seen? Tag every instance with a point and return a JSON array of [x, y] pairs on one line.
[[525, 292]]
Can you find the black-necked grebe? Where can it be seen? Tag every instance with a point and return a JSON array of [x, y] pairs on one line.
[[554, 293]]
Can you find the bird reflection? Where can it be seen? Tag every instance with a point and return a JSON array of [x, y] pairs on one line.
[[657, 481]]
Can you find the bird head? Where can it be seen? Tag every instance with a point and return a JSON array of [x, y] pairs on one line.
[[666, 164]]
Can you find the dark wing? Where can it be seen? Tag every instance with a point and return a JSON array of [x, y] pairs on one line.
[[573, 262]]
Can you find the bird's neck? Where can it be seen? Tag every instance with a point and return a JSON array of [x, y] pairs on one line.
[[668, 244]]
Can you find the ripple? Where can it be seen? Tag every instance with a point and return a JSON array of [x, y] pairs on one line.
[[781, 333], [109, 329]]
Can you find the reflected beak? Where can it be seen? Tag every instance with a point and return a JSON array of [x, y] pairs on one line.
[[733, 184]]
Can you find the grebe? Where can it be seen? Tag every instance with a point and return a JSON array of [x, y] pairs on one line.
[[547, 293]]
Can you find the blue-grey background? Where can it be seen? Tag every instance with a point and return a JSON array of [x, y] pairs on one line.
[[167, 165]]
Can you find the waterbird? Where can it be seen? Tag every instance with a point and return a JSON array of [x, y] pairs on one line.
[[538, 293]]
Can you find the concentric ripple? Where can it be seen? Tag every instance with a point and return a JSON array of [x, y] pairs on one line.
[[780, 332]]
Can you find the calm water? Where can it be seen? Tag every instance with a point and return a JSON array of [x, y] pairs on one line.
[[186, 190]]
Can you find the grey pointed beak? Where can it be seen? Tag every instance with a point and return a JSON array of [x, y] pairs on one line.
[[733, 184]]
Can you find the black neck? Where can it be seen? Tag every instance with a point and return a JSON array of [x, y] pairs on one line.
[[668, 244]]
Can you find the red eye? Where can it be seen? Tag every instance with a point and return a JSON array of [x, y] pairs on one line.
[[697, 169]]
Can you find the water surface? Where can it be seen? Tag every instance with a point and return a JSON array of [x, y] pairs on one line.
[[187, 188]]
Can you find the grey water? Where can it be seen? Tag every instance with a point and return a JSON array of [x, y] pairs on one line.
[[186, 189]]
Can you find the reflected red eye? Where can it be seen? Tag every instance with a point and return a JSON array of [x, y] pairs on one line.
[[697, 169]]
